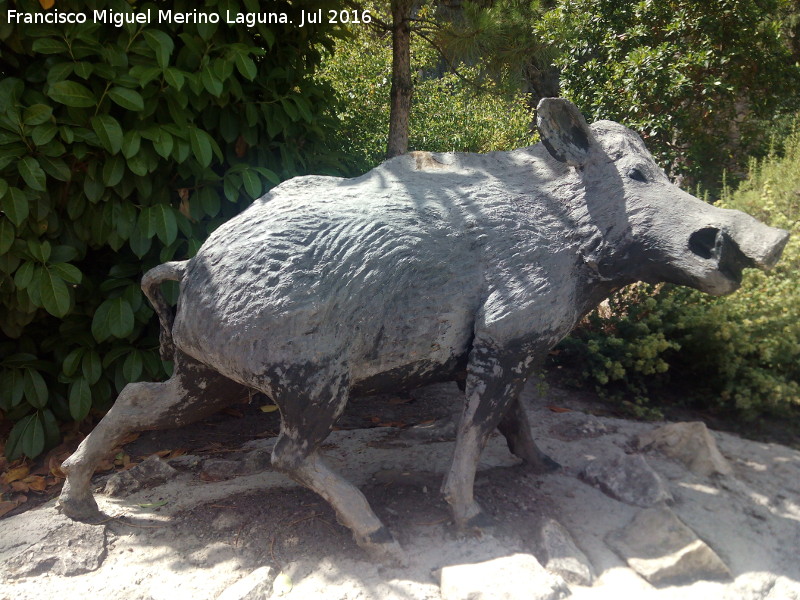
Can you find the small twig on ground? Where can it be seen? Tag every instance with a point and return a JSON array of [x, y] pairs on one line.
[[119, 520], [439, 522], [301, 519], [272, 553]]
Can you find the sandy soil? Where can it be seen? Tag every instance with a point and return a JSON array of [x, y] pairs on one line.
[[226, 513]]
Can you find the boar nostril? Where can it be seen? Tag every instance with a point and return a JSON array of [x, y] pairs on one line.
[[703, 242]]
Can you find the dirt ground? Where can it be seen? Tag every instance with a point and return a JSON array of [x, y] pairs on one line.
[[225, 513]]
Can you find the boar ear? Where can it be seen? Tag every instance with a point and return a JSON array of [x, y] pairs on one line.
[[564, 131]]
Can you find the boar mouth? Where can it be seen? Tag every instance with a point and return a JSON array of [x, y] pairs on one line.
[[711, 243]]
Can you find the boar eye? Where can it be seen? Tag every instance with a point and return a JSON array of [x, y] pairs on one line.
[[637, 175]]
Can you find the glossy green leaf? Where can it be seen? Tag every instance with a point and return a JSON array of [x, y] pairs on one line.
[[32, 174], [165, 226], [54, 293], [34, 289], [139, 241], [108, 131], [93, 189], [83, 69], [67, 272], [126, 98], [33, 438], [174, 77], [63, 254], [7, 234], [138, 165], [144, 75], [15, 205], [201, 146], [290, 108], [40, 251], [35, 388], [36, 114], [80, 399], [130, 143], [206, 30], [113, 170], [269, 175], [209, 201], [56, 168], [72, 361], [92, 367], [72, 94], [42, 134], [52, 434], [11, 89], [12, 388], [26, 437], [246, 66], [133, 366], [162, 45], [49, 46], [163, 144], [252, 183], [211, 83], [112, 317], [304, 107], [24, 275]]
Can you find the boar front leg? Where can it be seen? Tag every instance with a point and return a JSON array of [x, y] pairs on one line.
[[494, 381]]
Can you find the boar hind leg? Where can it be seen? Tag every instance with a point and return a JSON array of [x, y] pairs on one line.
[[193, 392], [306, 419], [517, 431], [491, 388]]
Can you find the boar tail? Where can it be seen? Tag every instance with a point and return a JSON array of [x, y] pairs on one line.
[[151, 286]]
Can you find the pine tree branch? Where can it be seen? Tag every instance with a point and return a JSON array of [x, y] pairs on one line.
[[453, 69]]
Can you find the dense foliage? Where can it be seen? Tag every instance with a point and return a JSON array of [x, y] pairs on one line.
[[449, 111], [121, 148], [739, 352], [702, 81]]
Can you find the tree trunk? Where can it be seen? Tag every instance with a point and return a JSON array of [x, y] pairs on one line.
[[401, 78], [541, 81]]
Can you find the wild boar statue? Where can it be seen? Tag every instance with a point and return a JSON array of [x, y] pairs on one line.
[[431, 267]]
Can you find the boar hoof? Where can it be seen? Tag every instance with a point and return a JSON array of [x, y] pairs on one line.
[[383, 548], [477, 524], [80, 507], [545, 464]]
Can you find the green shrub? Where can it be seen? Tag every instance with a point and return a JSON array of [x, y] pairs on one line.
[[740, 352], [448, 113], [120, 148], [702, 81]]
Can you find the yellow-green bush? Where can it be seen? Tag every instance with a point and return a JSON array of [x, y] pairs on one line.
[[739, 352]]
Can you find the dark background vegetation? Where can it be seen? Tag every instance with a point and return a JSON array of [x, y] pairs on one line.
[[121, 148]]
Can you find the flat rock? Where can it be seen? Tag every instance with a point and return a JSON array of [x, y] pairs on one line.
[[627, 478], [256, 461], [576, 426], [255, 586], [149, 473], [515, 577], [665, 551], [764, 586], [220, 469], [690, 443], [63, 547], [562, 556]]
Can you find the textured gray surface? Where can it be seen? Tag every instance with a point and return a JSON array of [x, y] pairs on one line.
[[430, 267]]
